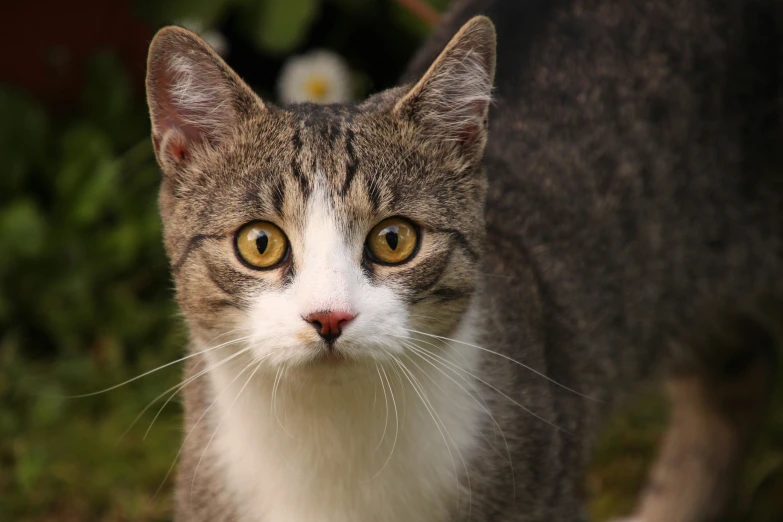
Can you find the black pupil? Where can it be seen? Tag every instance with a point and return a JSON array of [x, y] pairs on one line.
[[262, 241], [392, 238]]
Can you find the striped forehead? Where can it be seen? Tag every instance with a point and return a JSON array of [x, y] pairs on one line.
[[324, 155]]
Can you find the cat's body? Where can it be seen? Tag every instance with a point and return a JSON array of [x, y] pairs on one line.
[[632, 193]]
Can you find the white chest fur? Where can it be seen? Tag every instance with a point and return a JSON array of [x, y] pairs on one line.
[[337, 452]]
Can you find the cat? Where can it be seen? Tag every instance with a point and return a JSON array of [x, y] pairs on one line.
[[420, 308]]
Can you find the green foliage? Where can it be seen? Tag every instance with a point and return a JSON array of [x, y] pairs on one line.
[[85, 303], [279, 25], [75, 231]]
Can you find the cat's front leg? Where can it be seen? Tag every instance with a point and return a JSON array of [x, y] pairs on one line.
[[719, 389]]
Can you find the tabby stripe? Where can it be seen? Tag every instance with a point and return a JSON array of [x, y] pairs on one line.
[[444, 294], [290, 275], [373, 192], [461, 240], [368, 268], [215, 305], [194, 243], [440, 270], [295, 168], [330, 132], [217, 280], [450, 294], [351, 164], [278, 196], [233, 282]]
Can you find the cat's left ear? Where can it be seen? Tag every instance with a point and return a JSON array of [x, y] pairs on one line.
[[451, 101], [194, 97]]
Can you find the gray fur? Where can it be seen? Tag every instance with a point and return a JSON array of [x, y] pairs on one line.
[[632, 191]]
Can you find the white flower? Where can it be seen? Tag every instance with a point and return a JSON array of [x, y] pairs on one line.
[[214, 38], [319, 76]]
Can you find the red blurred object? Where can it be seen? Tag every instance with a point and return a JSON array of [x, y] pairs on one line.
[[422, 10], [46, 44]]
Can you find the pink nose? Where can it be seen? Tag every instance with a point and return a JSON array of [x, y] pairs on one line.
[[329, 324]]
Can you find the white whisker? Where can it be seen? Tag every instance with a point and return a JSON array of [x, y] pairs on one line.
[[485, 383], [273, 402], [456, 447], [198, 421], [415, 342], [509, 359], [402, 387], [175, 389], [386, 402], [396, 425], [424, 355], [189, 356], [416, 385], [198, 464], [181, 386]]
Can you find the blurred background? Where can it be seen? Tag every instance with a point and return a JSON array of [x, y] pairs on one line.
[[85, 295]]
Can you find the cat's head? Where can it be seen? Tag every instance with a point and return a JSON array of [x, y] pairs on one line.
[[321, 232]]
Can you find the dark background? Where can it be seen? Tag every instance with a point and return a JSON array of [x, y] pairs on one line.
[[85, 294]]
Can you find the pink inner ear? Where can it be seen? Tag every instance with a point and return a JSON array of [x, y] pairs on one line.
[[471, 130], [195, 99], [174, 133], [173, 139], [468, 135], [178, 149]]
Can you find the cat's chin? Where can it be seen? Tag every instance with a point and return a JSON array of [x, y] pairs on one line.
[[331, 367], [331, 358]]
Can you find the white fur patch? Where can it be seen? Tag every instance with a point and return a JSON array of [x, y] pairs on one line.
[[354, 442]]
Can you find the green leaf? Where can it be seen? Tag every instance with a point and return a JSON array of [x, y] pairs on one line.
[[96, 193], [86, 180], [22, 229], [30, 465], [48, 407], [278, 26]]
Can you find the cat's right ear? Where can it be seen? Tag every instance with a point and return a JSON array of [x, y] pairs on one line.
[[194, 97], [451, 100]]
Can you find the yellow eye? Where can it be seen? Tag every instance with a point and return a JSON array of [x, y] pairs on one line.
[[392, 241], [261, 244]]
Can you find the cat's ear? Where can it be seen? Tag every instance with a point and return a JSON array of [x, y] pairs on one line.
[[452, 99], [194, 97]]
